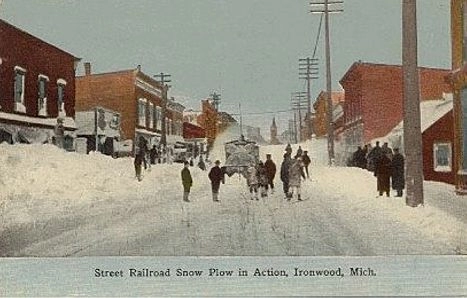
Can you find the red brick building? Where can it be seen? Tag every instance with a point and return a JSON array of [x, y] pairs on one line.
[[374, 102], [208, 120], [137, 98], [37, 86]]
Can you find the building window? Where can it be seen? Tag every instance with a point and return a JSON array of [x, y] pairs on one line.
[[442, 157], [464, 124], [151, 115], [42, 95], [61, 83], [142, 112], [20, 75], [158, 118]]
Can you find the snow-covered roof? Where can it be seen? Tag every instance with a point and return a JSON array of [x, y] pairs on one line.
[[430, 112]]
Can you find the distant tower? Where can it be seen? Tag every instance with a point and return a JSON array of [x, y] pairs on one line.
[[274, 140]]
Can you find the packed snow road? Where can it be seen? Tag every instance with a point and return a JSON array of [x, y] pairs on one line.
[[93, 206], [162, 225]]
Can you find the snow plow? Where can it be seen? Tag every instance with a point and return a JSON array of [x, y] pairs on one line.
[[239, 155]]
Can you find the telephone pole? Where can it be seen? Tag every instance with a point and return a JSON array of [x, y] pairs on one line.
[[163, 79], [216, 100], [326, 7], [308, 71], [298, 103], [412, 126]]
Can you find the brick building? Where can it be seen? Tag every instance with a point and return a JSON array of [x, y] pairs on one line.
[[137, 98], [37, 87], [458, 80], [320, 120], [374, 102], [208, 120]]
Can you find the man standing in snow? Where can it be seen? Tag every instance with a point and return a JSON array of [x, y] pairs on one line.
[[270, 171], [187, 181], [398, 180], [216, 176], [263, 179], [138, 165], [373, 157], [295, 177], [383, 174], [306, 162], [285, 166]]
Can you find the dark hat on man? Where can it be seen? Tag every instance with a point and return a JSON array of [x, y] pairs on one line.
[[186, 162], [217, 162]]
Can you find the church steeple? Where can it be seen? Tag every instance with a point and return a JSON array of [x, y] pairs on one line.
[[274, 140]]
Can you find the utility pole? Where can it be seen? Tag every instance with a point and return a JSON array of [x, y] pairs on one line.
[[324, 7], [298, 103], [412, 127], [216, 100], [308, 71], [163, 79]]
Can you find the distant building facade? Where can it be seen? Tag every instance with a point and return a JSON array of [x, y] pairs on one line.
[[37, 88], [137, 98], [320, 119]]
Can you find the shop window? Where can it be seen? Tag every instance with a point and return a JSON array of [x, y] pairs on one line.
[[20, 76], [442, 157], [42, 95]]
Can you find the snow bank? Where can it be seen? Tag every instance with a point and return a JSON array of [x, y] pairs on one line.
[[42, 181]]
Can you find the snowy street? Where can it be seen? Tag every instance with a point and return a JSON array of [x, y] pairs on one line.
[[108, 213]]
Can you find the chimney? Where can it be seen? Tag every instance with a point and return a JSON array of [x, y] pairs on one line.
[[87, 68]]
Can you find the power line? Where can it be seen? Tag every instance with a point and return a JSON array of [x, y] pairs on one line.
[[261, 113], [317, 36]]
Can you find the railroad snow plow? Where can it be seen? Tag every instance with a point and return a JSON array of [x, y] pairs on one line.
[[239, 155]]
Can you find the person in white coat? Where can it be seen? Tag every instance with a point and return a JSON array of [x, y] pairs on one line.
[[252, 181], [295, 176]]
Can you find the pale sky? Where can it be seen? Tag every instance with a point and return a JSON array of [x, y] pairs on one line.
[[247, 50]]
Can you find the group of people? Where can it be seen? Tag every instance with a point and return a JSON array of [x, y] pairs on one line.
[[216, 175], [386, 164], [293, 171], [261, 176]]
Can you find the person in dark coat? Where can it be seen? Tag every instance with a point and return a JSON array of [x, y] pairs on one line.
[[153, 154], [285, 166], [187, 181], [143, 148], [216, 176], [299, 151], [270, 171], [138, 165], [373, 157], [288, 149], [263, 179], [359, 159], [201, 163], [398, 180], [383, 174], [306, 162]]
